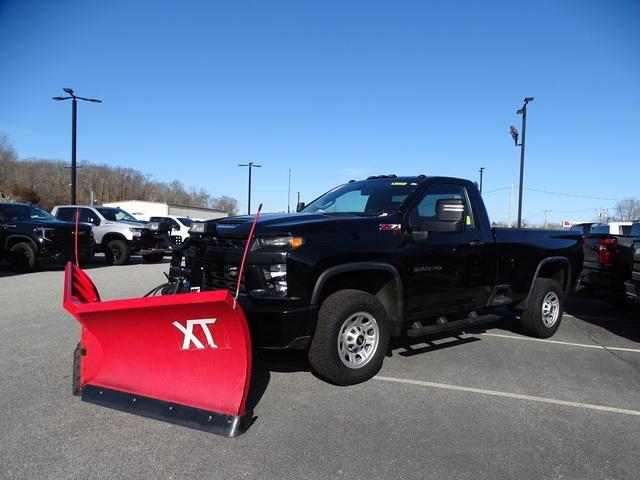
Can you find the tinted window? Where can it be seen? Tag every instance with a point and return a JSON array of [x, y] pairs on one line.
[[186, 221], [369, 197], [115, 214], [66, 214], [600, 229], [635, 230], [426, 208]]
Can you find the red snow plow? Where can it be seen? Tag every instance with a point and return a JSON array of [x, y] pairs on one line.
[[184, 358]]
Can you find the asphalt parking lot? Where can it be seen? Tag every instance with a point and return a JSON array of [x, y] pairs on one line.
[[487, 404]]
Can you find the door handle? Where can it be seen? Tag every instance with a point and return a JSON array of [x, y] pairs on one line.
[[476, 243]]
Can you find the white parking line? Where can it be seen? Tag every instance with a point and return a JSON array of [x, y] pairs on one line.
[[596, 317], [600, 347], [495, 393]]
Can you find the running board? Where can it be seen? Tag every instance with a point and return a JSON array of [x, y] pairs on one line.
[[454, 325]]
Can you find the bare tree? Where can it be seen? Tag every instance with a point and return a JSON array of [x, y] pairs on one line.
[[628, 209]]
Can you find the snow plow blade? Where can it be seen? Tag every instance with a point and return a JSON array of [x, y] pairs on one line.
[[184, 359]]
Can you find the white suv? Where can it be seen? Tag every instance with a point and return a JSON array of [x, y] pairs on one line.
[[117, 233]]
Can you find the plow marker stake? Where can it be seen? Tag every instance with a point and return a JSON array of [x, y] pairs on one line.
[[183, 358]]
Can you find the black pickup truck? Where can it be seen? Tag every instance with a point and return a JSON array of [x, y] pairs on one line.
[[632, 286], [382, 257], [29, 234], [608, 259]]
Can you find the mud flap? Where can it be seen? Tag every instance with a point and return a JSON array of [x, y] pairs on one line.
[[183, 358]]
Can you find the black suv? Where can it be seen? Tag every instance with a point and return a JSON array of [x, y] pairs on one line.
[[28, 234]]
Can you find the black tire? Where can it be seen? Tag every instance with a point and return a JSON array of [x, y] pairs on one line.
[[543, 314], [324, 354], [22, 257], [153, 257], [117, 252]]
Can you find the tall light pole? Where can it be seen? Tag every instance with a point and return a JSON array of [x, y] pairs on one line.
[[514, 134], [74, 115], [481, 171], [250, 165]]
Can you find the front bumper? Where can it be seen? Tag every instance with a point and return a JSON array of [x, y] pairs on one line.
[[279, 327], [632, 290]]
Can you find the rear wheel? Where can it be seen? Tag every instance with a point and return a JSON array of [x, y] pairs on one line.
[[351, 338], [22, 257], [117, 252], [153, 257], [542, 316]]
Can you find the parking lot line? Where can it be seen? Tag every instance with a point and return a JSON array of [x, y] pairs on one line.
[[518, 396], [600, 347]]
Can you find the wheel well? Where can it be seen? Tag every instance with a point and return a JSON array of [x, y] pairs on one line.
[[380, 283], [11, 241], [557, 271], [112, 236]]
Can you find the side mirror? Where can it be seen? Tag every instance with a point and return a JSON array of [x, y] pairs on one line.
[[300, 206], [95, 221], [450, 216]]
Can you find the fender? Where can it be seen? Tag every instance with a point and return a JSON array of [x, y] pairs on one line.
[[112, 236], [567, 282], [359, 266], [21, 237]]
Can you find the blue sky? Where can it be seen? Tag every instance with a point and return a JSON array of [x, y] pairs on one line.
[[334, 91]]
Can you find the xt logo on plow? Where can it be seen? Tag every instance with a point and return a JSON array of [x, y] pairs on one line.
[[189, 337]]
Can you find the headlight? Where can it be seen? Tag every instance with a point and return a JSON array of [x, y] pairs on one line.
[[292, 242], [202, 227], [45, 232], [275, 277], [136, 231]]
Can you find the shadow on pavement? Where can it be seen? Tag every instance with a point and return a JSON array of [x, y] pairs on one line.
[[621, 320], [98, 262]]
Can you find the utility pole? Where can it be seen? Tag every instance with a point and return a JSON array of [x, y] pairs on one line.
[[514, 134], [74, 116], [545, 218], [250, 165], [298, 203], [510, 195], [481, 171]]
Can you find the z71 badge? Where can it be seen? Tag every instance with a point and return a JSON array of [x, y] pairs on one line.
[[390, 226]]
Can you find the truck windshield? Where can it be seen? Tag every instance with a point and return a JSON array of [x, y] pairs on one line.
[[116, 214], [17, 213], [367, 197]]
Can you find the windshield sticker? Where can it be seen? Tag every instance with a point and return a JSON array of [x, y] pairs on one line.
[[390, 226], [399, 184]]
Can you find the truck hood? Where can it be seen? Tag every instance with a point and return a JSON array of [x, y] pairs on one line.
[[57, 224], [281, 224], [127, 224]]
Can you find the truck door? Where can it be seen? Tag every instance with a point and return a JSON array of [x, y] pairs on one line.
[[448, 272]]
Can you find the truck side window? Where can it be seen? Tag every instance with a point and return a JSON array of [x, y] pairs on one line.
[[66, 214], [426, 208], [86, 216]]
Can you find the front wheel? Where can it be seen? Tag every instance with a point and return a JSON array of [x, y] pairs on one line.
[[22, 257], [542, 316], [351, 337], [117, 252]]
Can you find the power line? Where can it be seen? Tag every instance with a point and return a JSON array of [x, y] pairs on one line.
[[572, 195]]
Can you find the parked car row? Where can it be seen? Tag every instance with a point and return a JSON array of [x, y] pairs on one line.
[[29, 235], [609, 263]]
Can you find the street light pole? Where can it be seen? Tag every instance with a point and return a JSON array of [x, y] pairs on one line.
[[74, 118], [250, 165], [514, 134], [481, 170]]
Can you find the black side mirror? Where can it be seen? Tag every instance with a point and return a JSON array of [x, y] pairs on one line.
[[450, 217], [300, 206], [95, 221]]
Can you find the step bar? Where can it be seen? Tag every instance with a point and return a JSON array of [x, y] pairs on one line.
[[453, 325]]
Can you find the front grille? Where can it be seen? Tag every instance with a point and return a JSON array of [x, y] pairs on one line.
[[230, 243], [218, 276]]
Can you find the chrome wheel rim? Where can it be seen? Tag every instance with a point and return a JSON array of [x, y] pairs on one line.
[[550, 309], [358, 339]]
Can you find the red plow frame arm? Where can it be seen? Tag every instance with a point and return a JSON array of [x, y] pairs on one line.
[[183, 358]]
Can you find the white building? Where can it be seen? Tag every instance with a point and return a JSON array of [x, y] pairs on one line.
[[143, 210]]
